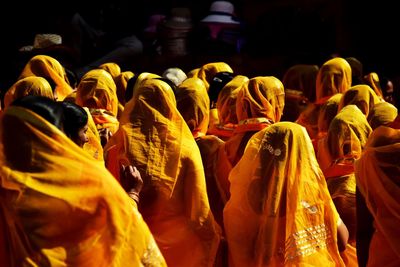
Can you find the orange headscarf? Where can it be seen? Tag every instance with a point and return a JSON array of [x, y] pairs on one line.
[[280, 212], [194, 105], [155, 138], [207, 72], [302, 77], [50, 69], [382, 113], [362, 96], [31, 85], [59, 206]]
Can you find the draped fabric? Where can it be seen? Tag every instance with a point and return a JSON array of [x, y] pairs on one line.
[[31, 85], [59, 206], [121, 81], [377, 173], [259, 103], [372, 80], [362, 96], [194, 105], [347, 135], [207, 72], [50, 69], [155, 138], [93, 146], [226, 107], [280, 211], [333, 77], [113, 68], [97, 91], [382, 113]]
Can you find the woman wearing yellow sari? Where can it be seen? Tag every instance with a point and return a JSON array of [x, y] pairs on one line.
[[347, 136], [59, 206], [259, 104], [333, 77], [50, 69], [377, 174], [31, 85], [382, 113], [226, 107], [97, 91], [154, 137], [280, 212]]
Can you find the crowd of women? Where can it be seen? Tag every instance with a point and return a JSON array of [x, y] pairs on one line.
[[201, 168]]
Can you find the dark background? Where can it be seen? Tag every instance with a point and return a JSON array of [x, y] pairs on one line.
[[279, 33]]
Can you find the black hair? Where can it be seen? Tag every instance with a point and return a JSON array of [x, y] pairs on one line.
[[75, 118], [217, 83], [45, 107]]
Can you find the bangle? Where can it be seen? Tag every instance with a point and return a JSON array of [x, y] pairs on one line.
[[134, 196]]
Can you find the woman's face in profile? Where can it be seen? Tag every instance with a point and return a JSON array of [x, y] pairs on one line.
[[81, 137]]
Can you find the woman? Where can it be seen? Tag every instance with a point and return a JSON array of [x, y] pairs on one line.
[[259, 104], [59, 206], [280, 212], [378, 203], [75, 123], [154, 137]]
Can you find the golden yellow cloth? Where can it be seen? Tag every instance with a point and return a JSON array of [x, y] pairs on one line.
[[97, 90], [259, 103], [207, 72], [31, 85], [280, 211], [333, 77], [226, 107], [111, 67], [60, 207], [362, 96], [194, 105], [382, 113], [377, 175], [154, 137], [50, 69], [93, 146], [347, 135], [372, 80]]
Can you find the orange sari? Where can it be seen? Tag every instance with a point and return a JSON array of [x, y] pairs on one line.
[[59, 206], [280, 212], [154, 137]]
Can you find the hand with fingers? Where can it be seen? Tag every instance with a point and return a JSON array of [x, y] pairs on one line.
[[131, 181]]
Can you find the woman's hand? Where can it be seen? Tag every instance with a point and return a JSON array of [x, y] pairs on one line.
[[131, 181]]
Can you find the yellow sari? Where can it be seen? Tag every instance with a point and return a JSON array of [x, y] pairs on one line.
[[155, 138], [31, 85], [382, 113], [362, 96], [280, 212], [50, 69], [59, 206], [377, 173], [207, 72]]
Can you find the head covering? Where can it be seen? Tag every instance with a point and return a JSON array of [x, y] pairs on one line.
[[377, 173], [372, 79], [362, 96], [382, 113], [262, 96], [121, 82], [50, 69], [154, 137], [31, 85], [327, 112], [333, 77], [60, 206], [301, 77], [207, 72], [113, 68], [280, 211], [221, 12], [194, 105]]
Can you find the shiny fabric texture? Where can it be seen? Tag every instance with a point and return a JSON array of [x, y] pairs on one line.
[[31, 85], [194, 105], [280, 212], [154, 137], [347, 135], [377, 175], [382, 113], [362, 96], [50, 69], [60, 207], [97, 90]]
